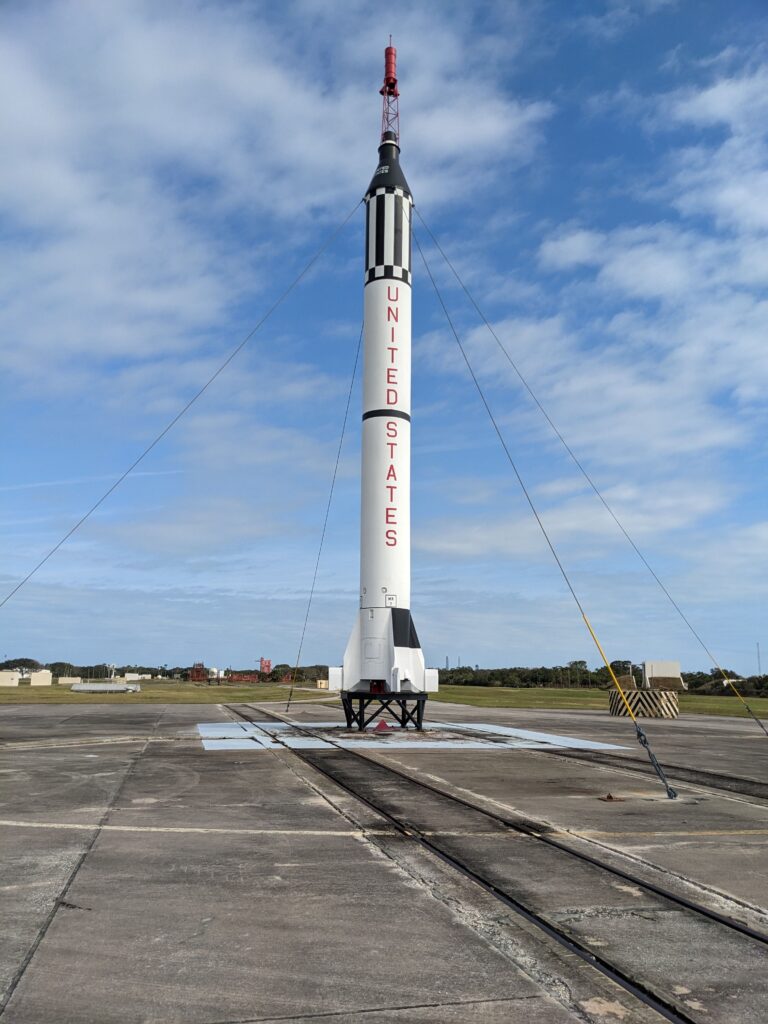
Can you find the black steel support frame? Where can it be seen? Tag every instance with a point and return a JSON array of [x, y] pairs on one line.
[[357, 717]]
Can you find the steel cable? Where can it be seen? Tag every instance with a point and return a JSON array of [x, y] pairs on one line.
[[727, 681], [327, 513], [641, 736], [281, 298]]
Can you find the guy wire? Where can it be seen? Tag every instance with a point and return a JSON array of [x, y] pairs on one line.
[[327, 513], [235, 351], [641, 736], [727, 681]]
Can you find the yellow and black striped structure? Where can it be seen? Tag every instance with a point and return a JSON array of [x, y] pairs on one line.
[[645, 703]]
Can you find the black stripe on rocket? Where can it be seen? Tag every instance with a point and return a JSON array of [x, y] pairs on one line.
[[382, 273], [372, 413], [379, 230], [398, 255], [388, 235]]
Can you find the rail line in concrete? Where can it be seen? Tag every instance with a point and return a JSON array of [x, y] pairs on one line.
[[589, 907], [699, 777]]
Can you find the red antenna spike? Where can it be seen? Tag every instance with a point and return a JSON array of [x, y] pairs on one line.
[[390, 117]]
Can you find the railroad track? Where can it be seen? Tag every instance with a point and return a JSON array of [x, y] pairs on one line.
[[634, 932], [700, 777]]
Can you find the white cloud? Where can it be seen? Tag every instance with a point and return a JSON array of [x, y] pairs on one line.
[[738, 102], [76, 481], [728, 567], [619, 16], [166, 168], [151, 155], [573, 248], [723, 175], [651, 359], [711, 315], [206, 526], [578, 524]]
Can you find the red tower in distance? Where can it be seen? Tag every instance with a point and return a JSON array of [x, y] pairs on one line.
[[390, 115]]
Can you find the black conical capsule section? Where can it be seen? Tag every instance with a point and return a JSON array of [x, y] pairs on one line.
[[388, 174]]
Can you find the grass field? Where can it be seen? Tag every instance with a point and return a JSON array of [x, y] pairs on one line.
[[156, 693], [597, 700], [477, 696], [533, 697]]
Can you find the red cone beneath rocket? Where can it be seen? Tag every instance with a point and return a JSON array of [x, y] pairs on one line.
[[383, 727]]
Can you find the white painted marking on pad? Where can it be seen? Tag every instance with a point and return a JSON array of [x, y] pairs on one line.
[[425, 745], [242, 744], [547, 739], [354, 833], [12, 823], [274, 735], [225, 730]]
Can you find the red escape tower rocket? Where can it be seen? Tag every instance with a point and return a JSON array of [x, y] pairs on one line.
[[383, 662]]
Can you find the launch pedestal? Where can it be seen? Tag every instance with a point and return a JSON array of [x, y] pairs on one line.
[[395, 704]]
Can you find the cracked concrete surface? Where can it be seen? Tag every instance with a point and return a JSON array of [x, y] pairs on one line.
[[228, 887]]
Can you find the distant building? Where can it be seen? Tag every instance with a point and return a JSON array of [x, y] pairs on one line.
[[245, 677], [10, 677], [43, 677], [662, 675]]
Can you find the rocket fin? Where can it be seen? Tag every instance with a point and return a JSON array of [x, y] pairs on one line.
[[409, 669]]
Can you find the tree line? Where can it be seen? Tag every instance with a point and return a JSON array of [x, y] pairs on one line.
[[575, 674]]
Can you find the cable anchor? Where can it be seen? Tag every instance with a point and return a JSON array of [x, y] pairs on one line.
[[642, 739]]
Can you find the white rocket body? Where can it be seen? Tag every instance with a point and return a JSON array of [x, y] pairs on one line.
[[383, 653]]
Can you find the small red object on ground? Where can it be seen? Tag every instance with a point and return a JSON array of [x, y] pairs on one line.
[[383, 727]]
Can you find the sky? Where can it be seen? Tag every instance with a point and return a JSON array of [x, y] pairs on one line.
[[597, 171]]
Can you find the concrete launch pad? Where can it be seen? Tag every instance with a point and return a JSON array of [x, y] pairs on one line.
[[148, 879], [323, 735]]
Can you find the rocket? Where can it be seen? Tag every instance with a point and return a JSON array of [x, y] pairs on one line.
[[383, 654]]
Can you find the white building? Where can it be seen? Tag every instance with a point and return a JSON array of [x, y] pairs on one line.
[[662, 675]]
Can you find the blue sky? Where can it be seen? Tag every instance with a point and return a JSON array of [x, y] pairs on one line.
[[598, 171]]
